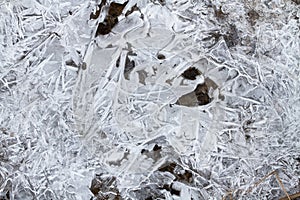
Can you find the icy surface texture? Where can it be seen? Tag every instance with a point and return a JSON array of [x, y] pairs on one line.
[[149, 99]]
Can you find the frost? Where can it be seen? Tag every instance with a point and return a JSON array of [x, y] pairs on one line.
[[151, 99]]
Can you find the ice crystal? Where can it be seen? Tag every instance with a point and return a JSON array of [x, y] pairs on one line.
[[149, 99]]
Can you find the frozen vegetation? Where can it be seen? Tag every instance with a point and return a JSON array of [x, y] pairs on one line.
[[149, 99]]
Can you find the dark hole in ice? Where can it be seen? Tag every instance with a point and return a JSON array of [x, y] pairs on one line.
[[23, 55], [168, 168], [156, 148], [219, 13], [186, 176], [247, 137], [214, 36], [248, 122], [4, 131], [171, 190], [280, 141], [147, 191], [5, 196], [118, 62], [202, 94], [96, 15], [95, 190], [105, 27], [144, 151], [191, 73], [107, 186], [177, 170], [296, 1], [252, 16], [199, 96], [154, 154], [162, 2], [129, 65], [202, 98], [71, 63], [231, 37], [161, 56], [115, 10], [174, 191], [83, 66], [134, 8]]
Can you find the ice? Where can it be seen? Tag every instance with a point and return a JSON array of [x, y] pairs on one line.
[[151, 99]]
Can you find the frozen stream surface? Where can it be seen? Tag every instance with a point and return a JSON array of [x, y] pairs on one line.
[[149, 99]]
